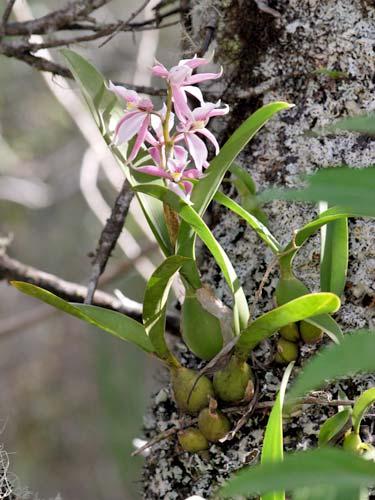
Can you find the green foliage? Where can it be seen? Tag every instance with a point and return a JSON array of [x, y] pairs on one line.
[[355, 354], [117, 324], [305, 469], [155, 305], [363, 403], [273, 442], [334, 256], [349, 187], [363, 124], [295, 310], [333, 426], [196, 223]]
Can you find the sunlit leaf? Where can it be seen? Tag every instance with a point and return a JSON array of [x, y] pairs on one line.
[[295, 310], [155, 305], [253, 222], [273, 442], [112, 322], [334, 256], [333, 426], [352, 188], [305, 469], [354, 354], [190, 216], [205, 190], [362, 404]]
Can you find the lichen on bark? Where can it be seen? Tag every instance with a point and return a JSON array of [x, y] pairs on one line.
[[255, 47]]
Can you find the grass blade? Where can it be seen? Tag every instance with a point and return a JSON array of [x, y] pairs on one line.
[[362, 404], [334, 256]]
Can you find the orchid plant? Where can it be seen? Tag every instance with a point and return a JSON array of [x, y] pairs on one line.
[[165, 157]]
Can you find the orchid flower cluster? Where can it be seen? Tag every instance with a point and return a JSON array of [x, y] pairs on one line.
[[177, 149]]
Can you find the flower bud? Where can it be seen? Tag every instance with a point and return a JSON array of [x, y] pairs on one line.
[[286, 351], [213, 424], [310, 334], [190, 392], [352, 442], [230, 383], [290, 332], [192, 440]]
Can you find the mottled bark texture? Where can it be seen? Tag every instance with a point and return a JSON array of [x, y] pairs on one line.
[[255, 47]]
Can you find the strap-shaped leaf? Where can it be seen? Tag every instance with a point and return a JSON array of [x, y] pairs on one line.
[[362, 404], [190, 216], [304, 469], [349, 187], [155, 305], [117, 324], [273, 442], [333, 426], [295, 310], [334, 256], [106, 111], [262, 231], [206, 188], [354, 354]]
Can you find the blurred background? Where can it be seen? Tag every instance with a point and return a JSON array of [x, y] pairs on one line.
[[71, 398]]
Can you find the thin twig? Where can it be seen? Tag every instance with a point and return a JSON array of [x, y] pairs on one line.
[[237, 409], [8, 11], [210, 30], [109, 236]]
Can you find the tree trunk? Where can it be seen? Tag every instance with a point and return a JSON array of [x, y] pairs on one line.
[[283, 54]]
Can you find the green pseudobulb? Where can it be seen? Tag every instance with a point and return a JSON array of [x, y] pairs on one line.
[[213, 424], [310, 334], [289, 289], [290, 332], [188, 400], [231, 383], [286, 351], [352, 442], [201, 330], [192, 440]]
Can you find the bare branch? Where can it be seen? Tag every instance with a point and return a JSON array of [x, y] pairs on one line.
[[109, 237], [8, 11], [11, 269]]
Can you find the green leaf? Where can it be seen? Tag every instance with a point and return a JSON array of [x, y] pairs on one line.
[[155, 305], [296, 310], [247, 185], [354, 354], [291, 288], [272, 450], [190, 216], [333, 426], [334, 256], [349, 187], [312, 468], [364, 124], [253, 222], [106, 111], [206, 188], [117, 324], [362, 404]]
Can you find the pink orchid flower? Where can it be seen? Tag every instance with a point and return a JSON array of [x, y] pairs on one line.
[[177, 173], [136, 120], [197, 125], [181, 80]]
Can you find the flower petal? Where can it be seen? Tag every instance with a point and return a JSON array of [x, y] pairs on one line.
[[128, 126], [140, 138], [180, 154], [181, 108], [194, 91], [178, 74], [155, 155], [175, 188], [155, 171], [210, 136], [201, 77], [122, 92], [197, 149], [159, 70], [194, 62]]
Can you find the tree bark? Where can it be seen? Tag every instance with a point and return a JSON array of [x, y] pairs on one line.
[[261, 50]]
